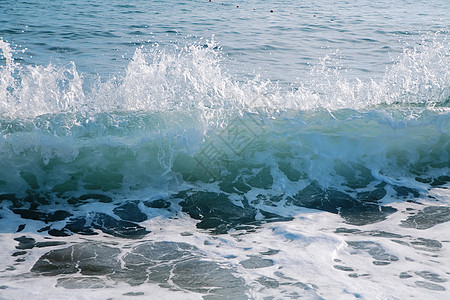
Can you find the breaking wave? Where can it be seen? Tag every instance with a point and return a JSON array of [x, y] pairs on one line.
[[175, 118]]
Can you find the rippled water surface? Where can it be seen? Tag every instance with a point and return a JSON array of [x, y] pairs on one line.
[[101, 36]]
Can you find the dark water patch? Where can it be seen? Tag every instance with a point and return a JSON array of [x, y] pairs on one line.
[[281, 275], [19, 253], [139, 26], [359, 275], [434, 182], [310, 288], [130, 212], [380, 263], [217, 212], [372, 196], [158, 262], [346, 230], [25, 242], [132, 12], [431, 276], [63, 49], [271, 217], [208, 278], [313, 196], [87, 198], [136, 32], [404, 275], [381, 233], [262, 180], [428, 217], [97, 197], [270, 252], [125, 6], [406, 192], [267, 200], [32, 200], [256, 262], [374, 249], [81, 283], [134, 294], [268, 282], [352, 210], [160, 203], [49, 244], [105, 223], [20, 228], [10, 197], [400, 242], [55, 232], [83, 258], [375, 233], [427, 180], [232, 185], [58, 215], [31, 179], [291, 173], [426, 244], [356, 175], [441, 180], [366, 214], [430, 286], [343, 268]]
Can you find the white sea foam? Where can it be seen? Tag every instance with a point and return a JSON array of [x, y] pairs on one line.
[[192, 79], [310, 258]]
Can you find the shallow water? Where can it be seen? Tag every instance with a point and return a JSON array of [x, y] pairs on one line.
[[202, 150]]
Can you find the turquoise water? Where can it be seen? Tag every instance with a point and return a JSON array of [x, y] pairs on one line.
[[224, 149]]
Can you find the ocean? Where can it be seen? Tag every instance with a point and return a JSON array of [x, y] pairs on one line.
[[224, 149]]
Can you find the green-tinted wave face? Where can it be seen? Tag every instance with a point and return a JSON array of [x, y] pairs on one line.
[[176, 121], [278, 154]]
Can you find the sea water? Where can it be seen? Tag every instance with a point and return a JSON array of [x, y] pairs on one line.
[[224, 149]]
